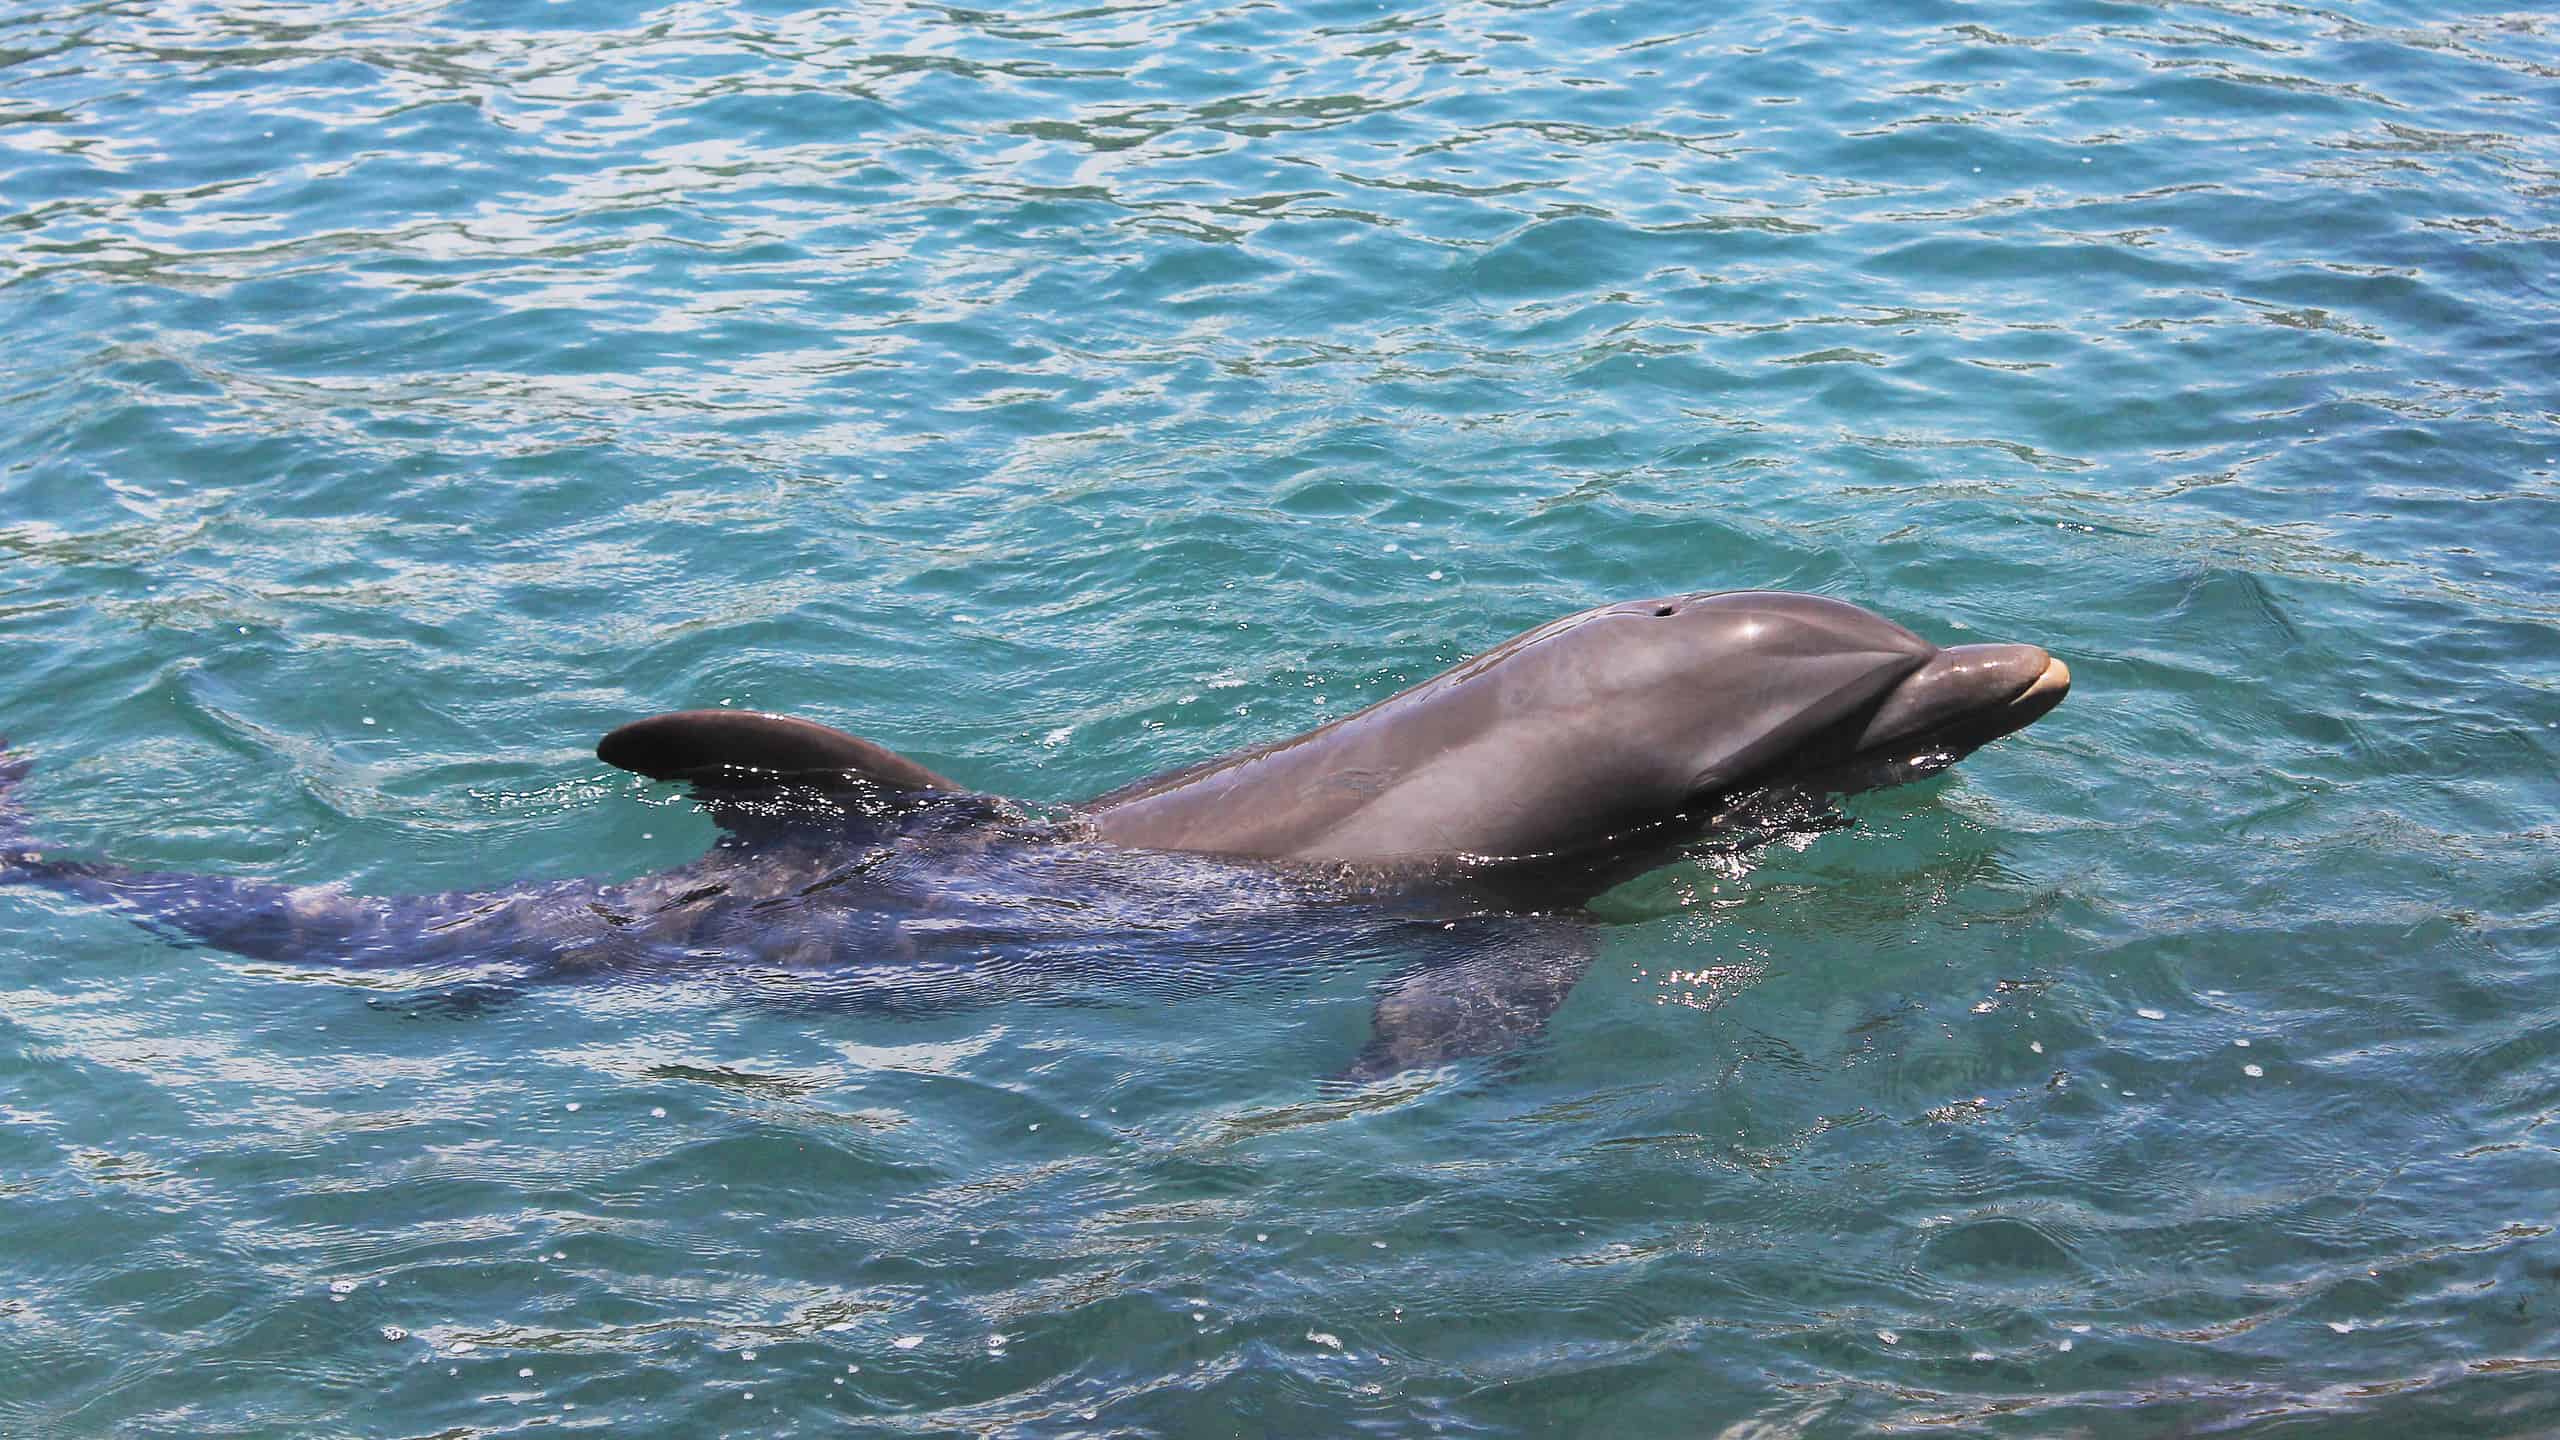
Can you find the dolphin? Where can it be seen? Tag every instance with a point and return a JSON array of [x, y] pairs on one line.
[[1466, 819]]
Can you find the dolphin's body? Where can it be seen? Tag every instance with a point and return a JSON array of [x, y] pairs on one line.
[[1460, 818]]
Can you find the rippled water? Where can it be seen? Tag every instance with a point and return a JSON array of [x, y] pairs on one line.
[[399, 395]]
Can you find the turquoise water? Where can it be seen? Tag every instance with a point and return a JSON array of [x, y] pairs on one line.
[[400, 395]]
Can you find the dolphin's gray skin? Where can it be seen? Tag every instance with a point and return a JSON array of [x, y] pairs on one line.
[[1590, 729], [1465, 818]]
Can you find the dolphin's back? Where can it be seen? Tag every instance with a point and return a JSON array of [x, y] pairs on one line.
[[1565, 740]]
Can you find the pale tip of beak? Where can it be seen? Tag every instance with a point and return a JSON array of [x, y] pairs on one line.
[[2052, 685]]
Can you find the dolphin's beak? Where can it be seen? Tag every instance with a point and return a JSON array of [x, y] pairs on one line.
[[1967, 695], [2049, 687]]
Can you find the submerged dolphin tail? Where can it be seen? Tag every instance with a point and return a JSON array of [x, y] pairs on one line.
[[307, 924], [262, 920], [13, 816]]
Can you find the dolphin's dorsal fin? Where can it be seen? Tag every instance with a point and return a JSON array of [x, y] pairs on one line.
[[738, 757], [697, 744]]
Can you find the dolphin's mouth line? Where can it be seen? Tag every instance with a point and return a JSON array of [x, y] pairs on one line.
[[1929, 751], [2055, 680], [1968, 732]]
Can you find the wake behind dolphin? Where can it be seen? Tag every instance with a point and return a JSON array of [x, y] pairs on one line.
[[1457, 827]]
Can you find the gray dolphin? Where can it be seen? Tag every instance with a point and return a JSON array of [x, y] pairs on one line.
[[1470, 815]]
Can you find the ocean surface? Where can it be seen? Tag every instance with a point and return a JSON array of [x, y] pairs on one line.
[[398, 395]]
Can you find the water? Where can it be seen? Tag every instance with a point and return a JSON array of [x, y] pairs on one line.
[[400, 395]]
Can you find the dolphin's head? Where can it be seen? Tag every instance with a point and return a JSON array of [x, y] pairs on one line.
[[1589, 735], [1741, 689]]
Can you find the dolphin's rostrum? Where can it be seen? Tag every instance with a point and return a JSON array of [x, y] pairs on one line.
[[1471, 815]]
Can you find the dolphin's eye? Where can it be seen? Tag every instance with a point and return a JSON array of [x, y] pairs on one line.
[[1663, 610]]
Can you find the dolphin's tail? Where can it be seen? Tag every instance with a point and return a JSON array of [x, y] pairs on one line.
[[292, 924], [13, 816]]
